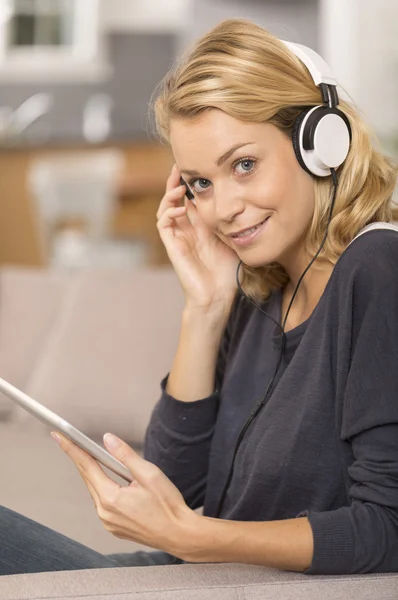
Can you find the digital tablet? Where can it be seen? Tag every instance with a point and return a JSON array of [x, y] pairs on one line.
[[57, 423]]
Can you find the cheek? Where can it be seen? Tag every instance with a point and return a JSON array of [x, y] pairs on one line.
[[206, 216], [308, 200], [299, 195]]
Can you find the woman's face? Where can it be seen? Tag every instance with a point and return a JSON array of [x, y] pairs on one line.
[[244, 174]]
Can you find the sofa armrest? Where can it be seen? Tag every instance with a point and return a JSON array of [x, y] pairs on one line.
[[197, 582]]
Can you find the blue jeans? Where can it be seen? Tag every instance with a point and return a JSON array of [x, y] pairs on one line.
[[28, 547]]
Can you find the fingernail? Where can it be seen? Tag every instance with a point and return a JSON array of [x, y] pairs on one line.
[[111, 441], [56, 437]]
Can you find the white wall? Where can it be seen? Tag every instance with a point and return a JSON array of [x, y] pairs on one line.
[[154, 15], [294, 20], [378, 63], [359, 39], [338, 41]]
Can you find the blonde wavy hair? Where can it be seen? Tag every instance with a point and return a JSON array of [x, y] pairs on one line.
[[243, 70]]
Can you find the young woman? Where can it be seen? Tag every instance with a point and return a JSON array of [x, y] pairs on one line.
[[280, 412]]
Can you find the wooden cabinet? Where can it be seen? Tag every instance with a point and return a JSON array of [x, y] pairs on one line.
[[141, 188], [19, 239]]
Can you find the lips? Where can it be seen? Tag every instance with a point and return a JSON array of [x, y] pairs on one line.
[[247, 231]]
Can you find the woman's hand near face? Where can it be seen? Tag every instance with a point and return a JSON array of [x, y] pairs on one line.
[[205, 266]]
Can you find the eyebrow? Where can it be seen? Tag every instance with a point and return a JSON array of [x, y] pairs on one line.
[[220, 161]]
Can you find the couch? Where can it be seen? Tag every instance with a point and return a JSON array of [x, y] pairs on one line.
[[93, 346]]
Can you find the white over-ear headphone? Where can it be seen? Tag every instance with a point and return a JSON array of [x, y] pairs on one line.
[[321, 134]]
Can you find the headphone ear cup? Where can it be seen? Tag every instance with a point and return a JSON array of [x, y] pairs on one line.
[[296, 139], [321, 138]]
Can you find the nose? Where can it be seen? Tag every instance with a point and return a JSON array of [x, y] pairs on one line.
[[228, 203]]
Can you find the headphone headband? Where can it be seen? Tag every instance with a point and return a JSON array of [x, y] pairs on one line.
[[321, 135], [319, 69]]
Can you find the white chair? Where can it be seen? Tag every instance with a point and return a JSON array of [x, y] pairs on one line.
[[75, 186]]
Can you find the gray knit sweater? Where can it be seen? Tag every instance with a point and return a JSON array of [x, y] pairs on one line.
[[325, 445]]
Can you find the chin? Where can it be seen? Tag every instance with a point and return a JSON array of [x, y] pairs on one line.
[[257, 257]]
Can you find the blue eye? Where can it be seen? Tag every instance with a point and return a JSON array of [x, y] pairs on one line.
[[247, 164], [204, 183]]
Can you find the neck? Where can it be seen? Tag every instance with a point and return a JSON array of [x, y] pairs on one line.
[[310, 290]]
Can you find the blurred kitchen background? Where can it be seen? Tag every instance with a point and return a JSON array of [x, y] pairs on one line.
[[81, 173]]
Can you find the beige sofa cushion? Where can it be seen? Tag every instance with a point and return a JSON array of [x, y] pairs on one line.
[[30, 300], [196, 582], [109, 349]]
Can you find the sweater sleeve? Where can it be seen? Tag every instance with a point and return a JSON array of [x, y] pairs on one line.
[[179, 434], [363, 537]]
